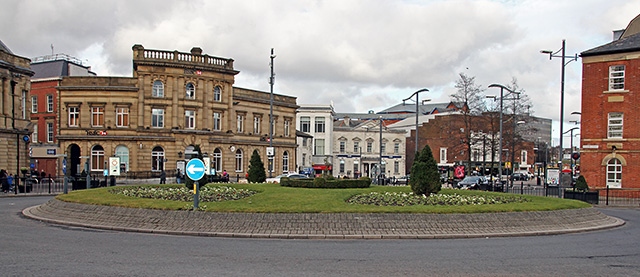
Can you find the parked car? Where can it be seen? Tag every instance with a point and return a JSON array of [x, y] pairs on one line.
[[402, 180], [473, 182], [519, 176], [276, 179]]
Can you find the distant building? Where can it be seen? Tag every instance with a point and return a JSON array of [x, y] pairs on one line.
[[316, 120], [49, 71], [15, 127], [368, 147], [610, 140]]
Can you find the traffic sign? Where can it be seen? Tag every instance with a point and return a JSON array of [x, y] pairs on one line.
[[207, 165], [114, 166], [195, 169]]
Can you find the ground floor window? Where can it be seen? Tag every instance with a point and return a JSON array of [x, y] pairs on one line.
[[157, 159], [614, 173], [238, 160], [97, 158]]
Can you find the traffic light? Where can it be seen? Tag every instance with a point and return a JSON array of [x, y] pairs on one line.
[[575, 156]]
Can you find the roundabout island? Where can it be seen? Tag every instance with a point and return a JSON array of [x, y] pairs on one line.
[[318, 214]]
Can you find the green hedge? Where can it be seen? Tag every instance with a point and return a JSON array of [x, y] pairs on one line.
[[364, 182]]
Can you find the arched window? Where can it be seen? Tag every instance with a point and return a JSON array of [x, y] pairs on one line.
[[157, 159], [217, 160], [614, 173], [239, 160], [97, 158], [285, 161], [123, 152], [217, 94], [191, 91], [158, 89]]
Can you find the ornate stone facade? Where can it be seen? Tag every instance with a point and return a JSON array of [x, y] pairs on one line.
[[174, 102], [15, 127]]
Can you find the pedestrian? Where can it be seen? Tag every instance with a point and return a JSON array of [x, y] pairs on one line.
[[163, 177], [10, 182], [3, 180], [225, 175], [178, 176]]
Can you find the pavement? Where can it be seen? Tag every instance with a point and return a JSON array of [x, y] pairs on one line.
[[323, 225]]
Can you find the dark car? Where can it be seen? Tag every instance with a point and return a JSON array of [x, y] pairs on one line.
[[473, 182], [518, 176]]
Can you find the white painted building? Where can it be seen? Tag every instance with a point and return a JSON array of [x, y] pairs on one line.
[[317, 121]]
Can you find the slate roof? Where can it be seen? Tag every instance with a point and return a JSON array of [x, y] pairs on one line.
[[629, 41], [622, 45], [411, 108]]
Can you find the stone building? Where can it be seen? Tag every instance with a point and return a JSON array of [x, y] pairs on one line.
[[367, 148], [174, 103], [15, 127]]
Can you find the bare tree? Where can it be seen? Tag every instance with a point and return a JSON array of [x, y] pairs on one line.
[[469, 97]]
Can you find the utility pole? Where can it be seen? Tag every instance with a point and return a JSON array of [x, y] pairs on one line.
[[271, 81]]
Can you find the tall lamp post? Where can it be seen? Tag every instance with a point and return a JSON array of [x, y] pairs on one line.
[[380, 171], [571, 158], [502, 89], [417, 111], [271, 81], [564, 64]]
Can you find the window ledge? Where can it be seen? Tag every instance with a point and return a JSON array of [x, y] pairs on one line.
[[616, 91], [614, 139]]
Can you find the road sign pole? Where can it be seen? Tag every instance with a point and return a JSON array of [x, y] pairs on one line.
[[196, 195]]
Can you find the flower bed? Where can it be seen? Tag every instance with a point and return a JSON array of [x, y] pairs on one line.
[[207, 193], [409, 199]]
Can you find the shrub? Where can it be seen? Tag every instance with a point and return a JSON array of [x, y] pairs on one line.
[[425, 178], [324, 183], [581, 184], [257, 172]]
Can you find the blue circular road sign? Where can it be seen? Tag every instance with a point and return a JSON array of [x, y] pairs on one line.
[[195, 169]]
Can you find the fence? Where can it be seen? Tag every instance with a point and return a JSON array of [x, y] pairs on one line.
[[606, 197]]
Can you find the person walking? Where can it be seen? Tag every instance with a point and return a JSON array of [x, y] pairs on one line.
[[163, 177], [178, 176], [3, 180], [10, 182]]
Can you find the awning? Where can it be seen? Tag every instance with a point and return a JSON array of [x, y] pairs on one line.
[[321, 167]]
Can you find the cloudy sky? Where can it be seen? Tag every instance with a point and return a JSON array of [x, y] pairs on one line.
[[360, 55]]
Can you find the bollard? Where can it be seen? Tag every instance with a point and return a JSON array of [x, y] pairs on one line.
[[521, 187]]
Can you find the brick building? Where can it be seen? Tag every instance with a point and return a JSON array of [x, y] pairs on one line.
[[174, 102], [610, 120], [49, 71], [15, 127], [446, 135]]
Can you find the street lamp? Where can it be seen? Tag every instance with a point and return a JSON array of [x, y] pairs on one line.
[[502, 89], [564, 64], [380, 171], [271, 81], [417, 111], [571, 158]]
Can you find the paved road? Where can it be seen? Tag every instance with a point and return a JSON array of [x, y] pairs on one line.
[[33, 248]]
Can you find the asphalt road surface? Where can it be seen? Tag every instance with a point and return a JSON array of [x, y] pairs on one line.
[[32, 248]]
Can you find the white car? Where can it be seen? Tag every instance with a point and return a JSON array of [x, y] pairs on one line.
[[276, 180]]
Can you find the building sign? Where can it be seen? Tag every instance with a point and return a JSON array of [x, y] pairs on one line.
[[51, 151], [96, 133]]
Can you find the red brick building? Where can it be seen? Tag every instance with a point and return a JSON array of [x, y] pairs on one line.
[[49, 71], [610, 135], [446, 136]]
